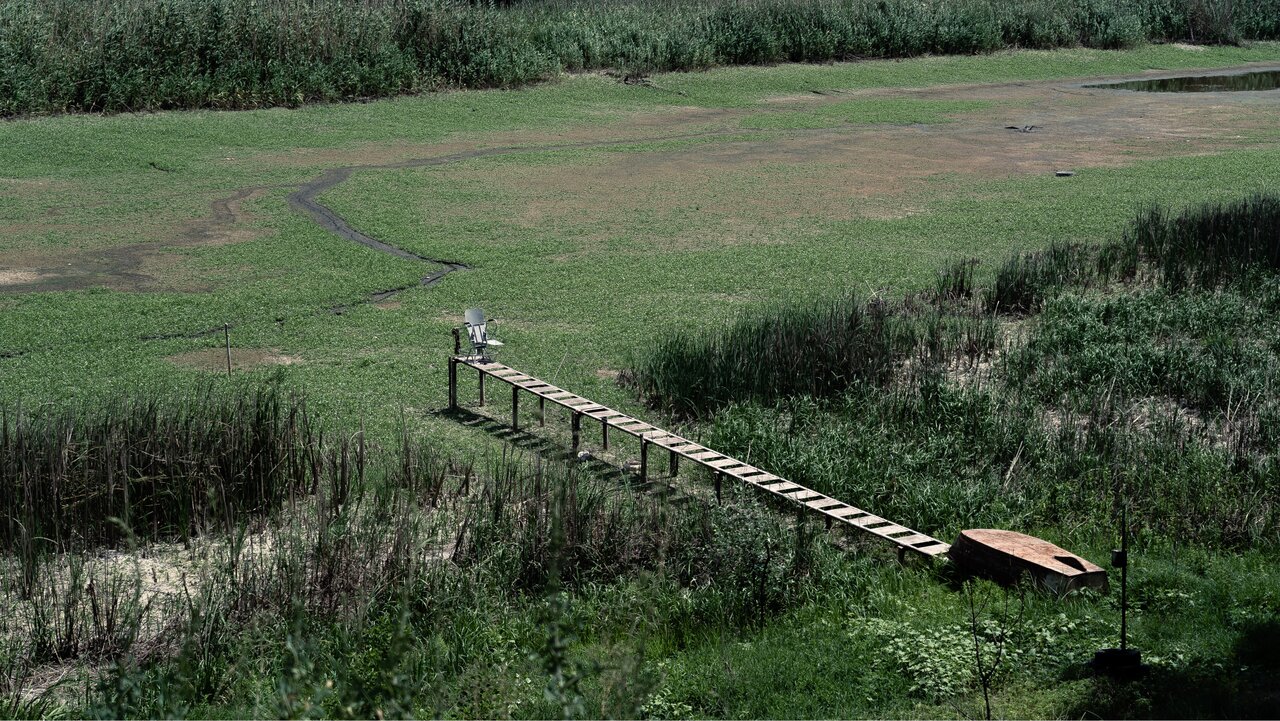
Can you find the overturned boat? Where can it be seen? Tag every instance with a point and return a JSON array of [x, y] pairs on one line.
[[1009, 557]]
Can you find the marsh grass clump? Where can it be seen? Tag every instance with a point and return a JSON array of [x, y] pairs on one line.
[[1212, 245], [816, 350], [1025, 280], [153, 468], [955, 281]]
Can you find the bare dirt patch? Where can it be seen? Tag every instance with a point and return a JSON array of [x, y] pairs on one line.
[[144, 266], [20, 277], [854, 171], [388, 305], [215, 359]]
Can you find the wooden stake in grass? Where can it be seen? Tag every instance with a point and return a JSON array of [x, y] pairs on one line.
[[226, 334]]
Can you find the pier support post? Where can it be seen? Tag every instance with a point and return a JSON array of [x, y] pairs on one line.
[[515, 407], [717, 475], [542, 411], [481, 386], [453, 383], [674, 466], [604, 432], [577, 431], [644, 460]]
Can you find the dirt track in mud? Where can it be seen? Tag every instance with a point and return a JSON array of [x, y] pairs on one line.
[[1070, 128]]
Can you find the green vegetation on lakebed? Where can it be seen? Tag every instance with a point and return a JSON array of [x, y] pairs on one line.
[[357, 604]]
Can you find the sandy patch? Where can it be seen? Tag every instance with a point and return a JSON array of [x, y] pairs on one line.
[[20, 277], [215, 359]]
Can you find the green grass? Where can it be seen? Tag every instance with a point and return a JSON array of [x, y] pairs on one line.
[[582, 288], [1125, 393], [369, 362]]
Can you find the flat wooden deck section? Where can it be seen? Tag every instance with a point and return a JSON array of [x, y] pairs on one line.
[[836, 512]]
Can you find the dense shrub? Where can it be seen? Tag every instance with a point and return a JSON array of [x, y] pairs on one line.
[[120, 55]]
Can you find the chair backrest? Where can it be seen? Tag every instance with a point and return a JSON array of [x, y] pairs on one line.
[[476, 330]]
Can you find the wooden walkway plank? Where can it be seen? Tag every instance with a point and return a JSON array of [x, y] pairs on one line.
[[718, 463]]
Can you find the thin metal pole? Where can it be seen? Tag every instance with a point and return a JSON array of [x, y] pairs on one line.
[[226, 333], [1124, 576]]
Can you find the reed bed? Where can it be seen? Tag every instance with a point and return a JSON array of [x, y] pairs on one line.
[[1025, 280], [1142, 370], [322, 536], [154, 468], [1209, 246], [131, 55]]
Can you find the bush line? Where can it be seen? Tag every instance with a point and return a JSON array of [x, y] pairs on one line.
[[133, 55]]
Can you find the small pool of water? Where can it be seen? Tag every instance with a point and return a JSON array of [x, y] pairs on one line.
[[1260, 80]]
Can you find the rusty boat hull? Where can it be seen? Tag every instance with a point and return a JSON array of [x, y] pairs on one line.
[[1010, 557]]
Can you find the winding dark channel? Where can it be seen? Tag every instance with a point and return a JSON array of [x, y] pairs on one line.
[[306, 200]]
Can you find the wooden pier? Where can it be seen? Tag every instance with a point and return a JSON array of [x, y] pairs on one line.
[[650, 436]]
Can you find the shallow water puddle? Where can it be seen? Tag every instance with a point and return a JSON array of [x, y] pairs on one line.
[[1255, 81]]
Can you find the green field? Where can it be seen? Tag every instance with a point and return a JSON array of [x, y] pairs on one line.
[[596, 283], [597, 218]]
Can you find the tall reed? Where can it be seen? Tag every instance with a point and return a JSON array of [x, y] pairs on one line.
[[123, 55], [152, 468], [1209, 245], [816, 350]]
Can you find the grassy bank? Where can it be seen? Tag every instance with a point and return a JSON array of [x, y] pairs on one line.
[[1138, 373], [407, 580], [131, 55], [395, 581], [1067, 382]]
